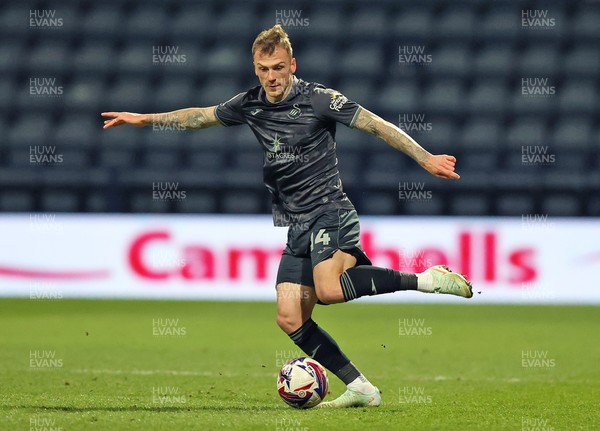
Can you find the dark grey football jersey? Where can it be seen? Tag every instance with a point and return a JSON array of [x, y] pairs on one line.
[[298, 139]]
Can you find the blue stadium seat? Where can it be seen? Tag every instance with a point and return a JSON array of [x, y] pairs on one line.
[[584, 25], [103, 21], [578, 97], [192, 22], [431, 207], [367, 22], [540, 60], [515, 204], [399, 98], [572, 133], [15, 201], [217, 90], [471, 204], [175, 94], [358, 61], [488, 96], [582, 61], [500, 24], [129, 94], [310, 63], [380, 203], [413, 24], [147, 21], [528, 131], [60, 201], [12, 56], [450, 61], [444, 96], [457, 24], [236, 22], [198, 202], [241, 202], [30, 129], [77, 130], [326, 21], [495, 60], [85, 94], [561, 205], [94, 58]]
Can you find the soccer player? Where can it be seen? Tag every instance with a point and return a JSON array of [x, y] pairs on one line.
[[295, 122]]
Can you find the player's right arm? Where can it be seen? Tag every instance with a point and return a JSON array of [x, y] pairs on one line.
[[189, 118]]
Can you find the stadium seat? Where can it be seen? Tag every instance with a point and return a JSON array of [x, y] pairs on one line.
[[198, 202], [578, 97], [15, 201], [488, 97], [561, 206], [470, 205], [241, 202], [457, 24], [515, 205], [582, 61], [60, 201], [380, 203]]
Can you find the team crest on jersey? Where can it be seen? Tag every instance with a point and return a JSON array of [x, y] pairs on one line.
[[295, 112], [337, 101]]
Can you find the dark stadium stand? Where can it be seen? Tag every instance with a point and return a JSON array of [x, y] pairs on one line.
[[470, 93]]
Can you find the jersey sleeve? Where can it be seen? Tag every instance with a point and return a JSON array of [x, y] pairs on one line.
[[230, 113], [331, 105]]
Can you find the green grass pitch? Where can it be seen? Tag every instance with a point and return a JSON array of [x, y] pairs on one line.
[[126, 365]]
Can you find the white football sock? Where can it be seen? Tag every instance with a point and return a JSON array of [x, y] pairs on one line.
[[425, 282], [362, 385]]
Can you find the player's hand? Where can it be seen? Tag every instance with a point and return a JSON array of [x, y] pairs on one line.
[[120, 118], [441, 166]]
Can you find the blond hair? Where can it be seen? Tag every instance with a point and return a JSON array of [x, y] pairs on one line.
[[269, 39]]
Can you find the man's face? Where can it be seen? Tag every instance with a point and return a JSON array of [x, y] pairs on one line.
[[275, 73]]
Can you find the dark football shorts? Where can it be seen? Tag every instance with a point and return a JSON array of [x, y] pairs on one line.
[[315, 241]]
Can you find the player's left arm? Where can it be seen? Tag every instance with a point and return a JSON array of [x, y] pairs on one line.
[[439, 165]]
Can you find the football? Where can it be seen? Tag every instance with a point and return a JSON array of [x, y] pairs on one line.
[[302, 383]]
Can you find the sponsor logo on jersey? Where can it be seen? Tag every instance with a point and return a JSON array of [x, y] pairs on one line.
[[337, 101]]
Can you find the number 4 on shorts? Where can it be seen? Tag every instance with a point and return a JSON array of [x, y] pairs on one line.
[[322, 237]]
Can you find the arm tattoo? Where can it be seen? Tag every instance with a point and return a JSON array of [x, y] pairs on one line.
[[392, 135], [189, 118]]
